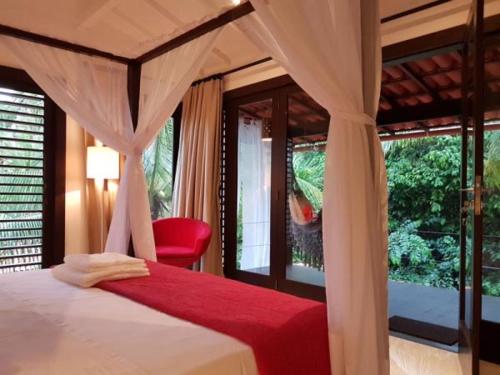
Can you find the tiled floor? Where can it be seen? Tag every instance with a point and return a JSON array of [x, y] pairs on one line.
[[410, 358]]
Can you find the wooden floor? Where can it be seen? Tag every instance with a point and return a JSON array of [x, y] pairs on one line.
[[411, 358]]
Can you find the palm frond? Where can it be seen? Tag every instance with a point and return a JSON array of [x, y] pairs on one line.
[[158, 160]]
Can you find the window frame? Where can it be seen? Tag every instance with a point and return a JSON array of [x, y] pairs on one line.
[[278, 90], [54, 164]]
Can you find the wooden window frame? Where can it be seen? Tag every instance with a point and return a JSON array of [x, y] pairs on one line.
[[54, 163], [276, 89]]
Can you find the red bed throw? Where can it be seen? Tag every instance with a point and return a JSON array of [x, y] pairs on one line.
[[288, 335]]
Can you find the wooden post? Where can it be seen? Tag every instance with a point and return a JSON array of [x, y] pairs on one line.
[[133, 89]]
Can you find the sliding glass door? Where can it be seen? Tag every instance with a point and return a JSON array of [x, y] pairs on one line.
[[248, 189], [473, 94], [253, 209], [274, 167], [306, 125]]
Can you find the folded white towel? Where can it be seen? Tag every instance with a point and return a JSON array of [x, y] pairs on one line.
[[66, 273], [96, 262]]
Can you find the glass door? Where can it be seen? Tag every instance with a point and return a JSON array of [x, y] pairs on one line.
[[273, 189], [248, 191], [306, 131], [490, 308], [472, 192], [490, 301]]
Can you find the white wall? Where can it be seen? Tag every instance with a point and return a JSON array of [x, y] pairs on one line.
[[76, 232]]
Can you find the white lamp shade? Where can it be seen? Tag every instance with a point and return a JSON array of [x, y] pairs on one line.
[[102, 163]]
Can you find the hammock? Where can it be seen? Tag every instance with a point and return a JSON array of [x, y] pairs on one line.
[[306, 228], [302, 213]]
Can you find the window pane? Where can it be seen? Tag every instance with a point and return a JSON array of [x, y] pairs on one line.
[[307, 129], [254, 187], [21, 180], [158, 166], [491, 227], [424, 229]]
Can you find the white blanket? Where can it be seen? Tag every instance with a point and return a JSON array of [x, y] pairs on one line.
[[66, 273], [95, 262], [51, 328]]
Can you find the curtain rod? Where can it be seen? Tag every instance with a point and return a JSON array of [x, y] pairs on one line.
[[234, 70], [61, 44]]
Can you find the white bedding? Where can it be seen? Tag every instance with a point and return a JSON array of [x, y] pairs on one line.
[[48, 327]]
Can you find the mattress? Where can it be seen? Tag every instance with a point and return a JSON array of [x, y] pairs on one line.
[[49, 327]]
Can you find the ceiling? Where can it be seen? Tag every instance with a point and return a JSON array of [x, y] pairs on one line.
[[132, 27], [418, 98], [425, 95]]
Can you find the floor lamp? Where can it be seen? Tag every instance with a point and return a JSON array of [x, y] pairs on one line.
[[102, 165]]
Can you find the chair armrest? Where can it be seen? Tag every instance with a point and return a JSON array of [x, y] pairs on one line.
[[201, 244]]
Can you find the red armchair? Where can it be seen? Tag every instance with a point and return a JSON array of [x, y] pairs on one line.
[[180, 241]]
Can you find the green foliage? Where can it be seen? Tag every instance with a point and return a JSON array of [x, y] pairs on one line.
[[424, 183], [410, 257], [492, 162], [158, 162], [491, 284], [18, 233], [427, 262], [446, 252], [309, 170]]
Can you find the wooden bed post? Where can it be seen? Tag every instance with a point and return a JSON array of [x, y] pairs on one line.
[[133, 89]]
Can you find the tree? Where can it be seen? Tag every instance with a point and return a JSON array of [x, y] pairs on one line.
[[158, 162], [308, 168], [424, 205], [424, 182]]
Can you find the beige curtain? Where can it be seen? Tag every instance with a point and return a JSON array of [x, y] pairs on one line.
[[196, 189], [89, 204]]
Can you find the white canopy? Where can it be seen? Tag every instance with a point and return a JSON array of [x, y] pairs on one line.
[[306, 41]]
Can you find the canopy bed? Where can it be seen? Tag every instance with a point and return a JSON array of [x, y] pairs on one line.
[[49, 327], [125, 106]]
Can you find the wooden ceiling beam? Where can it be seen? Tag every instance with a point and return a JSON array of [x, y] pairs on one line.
[[250, 113], [229, 16], [61, 44], [313, 110], [312, 129], [420, 112], [422, 126], [428, 45], [386, 129], [439, 42], [444, 90], [392, 101], [420, 82], [432, 110], [451, 129]]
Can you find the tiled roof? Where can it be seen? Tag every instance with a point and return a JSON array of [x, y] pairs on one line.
[[413, 95]]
